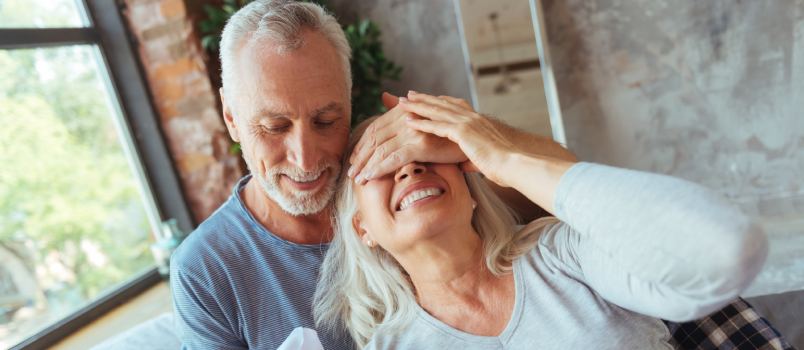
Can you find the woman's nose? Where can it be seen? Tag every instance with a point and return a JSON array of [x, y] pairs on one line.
[[409, 169]]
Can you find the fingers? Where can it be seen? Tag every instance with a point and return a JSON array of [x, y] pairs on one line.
[[362, 151], [376, 134], [430, 111], [384, 147], [369, 170], [457, 101], [394, 161], [361, 154], [448, 102], [387, 165], [435, 127], [469, 167], [389, 101]]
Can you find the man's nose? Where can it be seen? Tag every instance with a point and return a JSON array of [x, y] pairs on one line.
[[302, 149], [410, 170]]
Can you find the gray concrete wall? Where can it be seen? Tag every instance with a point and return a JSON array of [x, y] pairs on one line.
[[710, 91], [420, 35]]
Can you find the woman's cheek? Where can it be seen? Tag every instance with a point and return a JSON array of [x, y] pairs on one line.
[[372, 201], [378, 205]]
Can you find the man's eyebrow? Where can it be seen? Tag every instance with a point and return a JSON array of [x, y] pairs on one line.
[[264, 113], [331, 107]]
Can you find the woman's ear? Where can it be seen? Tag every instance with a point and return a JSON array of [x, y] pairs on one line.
[[356, 225], [361, 232]]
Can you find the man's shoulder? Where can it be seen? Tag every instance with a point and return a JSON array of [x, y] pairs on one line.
[[222, 233]]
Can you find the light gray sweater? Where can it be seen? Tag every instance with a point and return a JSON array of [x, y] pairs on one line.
[[631, 248]]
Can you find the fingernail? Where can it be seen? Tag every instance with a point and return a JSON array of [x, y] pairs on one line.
[[351, 171], [411, 92], [403, 100]]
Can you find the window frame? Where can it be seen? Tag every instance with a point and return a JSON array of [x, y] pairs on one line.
[[108, 31]]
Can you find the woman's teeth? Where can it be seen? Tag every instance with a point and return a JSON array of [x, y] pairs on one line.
[[419, 195]]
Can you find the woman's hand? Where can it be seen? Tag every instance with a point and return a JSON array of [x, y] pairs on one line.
[[389, 143], [487, 148]]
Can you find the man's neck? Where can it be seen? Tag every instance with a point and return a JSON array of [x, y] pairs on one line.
[[304, 229]]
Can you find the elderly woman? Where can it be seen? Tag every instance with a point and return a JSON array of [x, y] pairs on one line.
[[429, 258]]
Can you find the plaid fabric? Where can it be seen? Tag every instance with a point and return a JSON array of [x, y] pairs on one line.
[[737, 326]]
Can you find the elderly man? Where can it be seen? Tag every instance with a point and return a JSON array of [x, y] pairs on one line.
[[245, 278]]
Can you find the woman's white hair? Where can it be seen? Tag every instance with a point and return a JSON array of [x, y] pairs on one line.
[[362, 288], [281, 22]]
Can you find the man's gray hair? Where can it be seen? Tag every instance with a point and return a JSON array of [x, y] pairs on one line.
[[282, 22]]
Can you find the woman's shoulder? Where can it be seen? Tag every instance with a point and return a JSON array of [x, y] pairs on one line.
[[537, 226], [538, 232], [553, 245]]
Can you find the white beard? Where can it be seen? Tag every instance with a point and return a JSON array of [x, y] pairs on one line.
[[299, 203]]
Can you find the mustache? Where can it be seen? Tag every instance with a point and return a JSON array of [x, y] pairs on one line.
[[300, 175]]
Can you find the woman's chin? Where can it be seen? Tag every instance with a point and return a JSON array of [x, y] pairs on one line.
[[428, 226]]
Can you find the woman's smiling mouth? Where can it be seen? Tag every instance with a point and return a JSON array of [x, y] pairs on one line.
[[415, 195]]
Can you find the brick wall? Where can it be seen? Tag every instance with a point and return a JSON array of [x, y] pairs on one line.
[[186, 102]]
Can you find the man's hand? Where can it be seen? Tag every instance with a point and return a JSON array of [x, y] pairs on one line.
[[389, 143]]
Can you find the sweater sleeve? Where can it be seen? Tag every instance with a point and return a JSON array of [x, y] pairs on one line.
[[653, 244]]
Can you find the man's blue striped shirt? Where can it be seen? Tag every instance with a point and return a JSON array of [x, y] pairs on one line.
[[236, 285]]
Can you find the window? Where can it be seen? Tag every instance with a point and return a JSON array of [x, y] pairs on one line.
[[42, 14], [85, 178]]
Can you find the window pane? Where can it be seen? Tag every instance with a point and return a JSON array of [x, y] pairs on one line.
[[41, 14], [73, 224]]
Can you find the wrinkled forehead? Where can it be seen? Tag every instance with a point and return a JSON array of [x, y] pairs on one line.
[[299, 76]]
